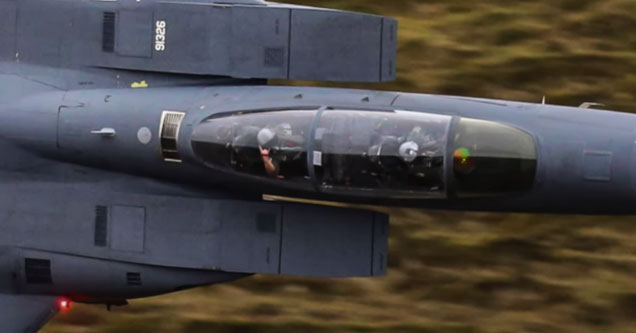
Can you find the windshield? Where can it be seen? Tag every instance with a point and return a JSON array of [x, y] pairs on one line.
[[490, 158]]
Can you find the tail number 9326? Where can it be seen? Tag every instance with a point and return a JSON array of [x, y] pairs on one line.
[[160, 36]]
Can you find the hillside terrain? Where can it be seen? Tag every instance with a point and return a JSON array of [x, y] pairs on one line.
[[456, 272]]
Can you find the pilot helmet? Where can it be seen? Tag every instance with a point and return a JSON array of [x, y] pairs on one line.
[[284, 129], [408, 151], [223, 133], [417, 134], [264, 136]]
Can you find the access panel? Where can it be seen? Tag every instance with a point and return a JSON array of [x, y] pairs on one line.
[[298, 239], [337, 243], [128, 228], [134, 33]]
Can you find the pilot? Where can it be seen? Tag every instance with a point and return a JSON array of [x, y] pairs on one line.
[[408, 151], [422, 153], [223, 135], [425, 140], [287, 138], [265, 137], [388, 164], [243, 158], [281, 151], [384, 143], [284, 129]]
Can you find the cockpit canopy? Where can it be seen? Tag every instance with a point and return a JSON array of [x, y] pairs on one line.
[[399, 154]]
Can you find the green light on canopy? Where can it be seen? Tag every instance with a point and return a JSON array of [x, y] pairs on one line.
[[462, 154]]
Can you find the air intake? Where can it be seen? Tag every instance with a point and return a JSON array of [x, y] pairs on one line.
[[108, 32], [37, 271], [169, 134]]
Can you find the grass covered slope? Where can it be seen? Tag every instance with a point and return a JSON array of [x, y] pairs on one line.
[[456, 272]]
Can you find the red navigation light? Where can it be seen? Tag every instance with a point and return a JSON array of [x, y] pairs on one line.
[[64, 304]]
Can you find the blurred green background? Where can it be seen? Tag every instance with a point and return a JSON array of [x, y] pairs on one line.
[[456, 272]]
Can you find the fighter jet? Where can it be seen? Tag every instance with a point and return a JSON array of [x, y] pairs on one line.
[[138, 140]]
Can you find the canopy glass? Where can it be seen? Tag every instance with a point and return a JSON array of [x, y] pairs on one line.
[[398, 154]]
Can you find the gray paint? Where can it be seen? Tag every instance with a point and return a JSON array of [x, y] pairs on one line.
[[172, 226], [26, 313], [8, 13], [562, 143], [128, 228], [237, 39], [356, 49], [174, 229], [134, 33], [305, 250]]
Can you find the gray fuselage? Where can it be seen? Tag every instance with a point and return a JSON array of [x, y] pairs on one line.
[[139, 138], [585, 157]]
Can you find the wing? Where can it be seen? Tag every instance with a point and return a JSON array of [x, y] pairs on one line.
[[25, 313]]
